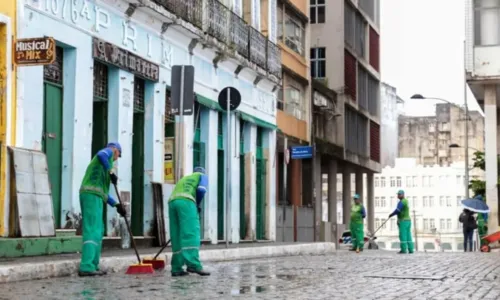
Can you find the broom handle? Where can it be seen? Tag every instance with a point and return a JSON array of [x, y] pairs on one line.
[[373, 234], [161, 250], [128, 227]]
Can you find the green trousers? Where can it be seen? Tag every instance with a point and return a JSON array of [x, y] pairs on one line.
[[184, 235], [357, 235], [405, 238], [92, 231]]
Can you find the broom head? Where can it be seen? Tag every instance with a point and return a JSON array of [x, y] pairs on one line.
[[158, 264], [140, 269]]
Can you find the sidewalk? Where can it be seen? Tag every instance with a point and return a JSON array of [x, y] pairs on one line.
[[31, 268]]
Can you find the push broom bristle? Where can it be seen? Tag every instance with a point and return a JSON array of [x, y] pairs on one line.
[[140, 269], [158, 264]]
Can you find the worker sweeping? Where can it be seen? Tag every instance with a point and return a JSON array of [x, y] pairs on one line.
[[183, 209], [404, 223], [93, 193], [358, 213]]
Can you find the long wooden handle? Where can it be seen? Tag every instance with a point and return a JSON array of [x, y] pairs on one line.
[[128, 226], [161, 250]]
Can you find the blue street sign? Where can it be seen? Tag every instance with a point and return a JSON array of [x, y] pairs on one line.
[[301, 152]]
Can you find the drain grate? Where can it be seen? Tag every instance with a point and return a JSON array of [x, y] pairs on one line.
[[411, 277]]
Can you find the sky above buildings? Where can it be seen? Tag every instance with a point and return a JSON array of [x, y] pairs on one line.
[[422, 51]]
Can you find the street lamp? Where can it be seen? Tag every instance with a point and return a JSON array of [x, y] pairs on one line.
[[466, 146]]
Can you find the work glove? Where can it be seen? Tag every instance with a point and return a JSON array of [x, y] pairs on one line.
[[199, 210], [485, 228], [114, 178], [121, 210]]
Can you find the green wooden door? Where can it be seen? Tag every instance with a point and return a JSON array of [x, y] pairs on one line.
[[261, 198], [261, 188], [138, 174], [52, 142], [100, 117]]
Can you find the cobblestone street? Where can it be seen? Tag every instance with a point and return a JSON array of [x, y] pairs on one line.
[[339, 276]]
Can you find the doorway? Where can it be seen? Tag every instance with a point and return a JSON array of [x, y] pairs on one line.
[[52, 134], [138, 158]]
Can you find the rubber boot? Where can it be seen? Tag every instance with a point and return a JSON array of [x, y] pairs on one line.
[[88, 274], [179, 274], [199, 272]]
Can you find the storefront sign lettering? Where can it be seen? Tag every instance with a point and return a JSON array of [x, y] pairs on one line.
[[34, 51], [97, 20], [125, 60]]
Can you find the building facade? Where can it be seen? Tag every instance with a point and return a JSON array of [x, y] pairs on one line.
[[391, 106], [111, 81], [428, 139], [345, 36], [482, 42], [8, 32], [434, 209]]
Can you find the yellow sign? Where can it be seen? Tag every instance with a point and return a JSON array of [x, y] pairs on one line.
[[34, 51], [168, 161]]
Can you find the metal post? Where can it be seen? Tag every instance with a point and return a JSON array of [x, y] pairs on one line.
[[181, 131], [228, 165], [285, 166], [466, 133], [415, 229]]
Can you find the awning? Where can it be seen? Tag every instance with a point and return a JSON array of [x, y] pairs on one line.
[[208, 102], [256, 121]]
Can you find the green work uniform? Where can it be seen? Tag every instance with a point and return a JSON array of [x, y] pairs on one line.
[[185, 224], [356, 227], [481, 228], [93, 193], [404, 224]]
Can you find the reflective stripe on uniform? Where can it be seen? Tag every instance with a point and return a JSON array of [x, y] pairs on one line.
[[189, 248], [94, 190], [91, 242]]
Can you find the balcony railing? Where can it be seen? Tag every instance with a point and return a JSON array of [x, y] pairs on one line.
[[189, 10], [217, 20]]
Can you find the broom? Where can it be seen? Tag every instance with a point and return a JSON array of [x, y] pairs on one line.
[[139, 268], [158, 264]]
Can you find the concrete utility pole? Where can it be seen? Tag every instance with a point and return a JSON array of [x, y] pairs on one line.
[[466, 133]]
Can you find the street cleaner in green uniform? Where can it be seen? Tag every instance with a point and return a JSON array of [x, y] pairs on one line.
[[183, 210], [404, 223], [482, 224], [93, 194], [358, 213]]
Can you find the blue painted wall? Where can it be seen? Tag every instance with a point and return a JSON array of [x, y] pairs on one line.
[[76, 22]]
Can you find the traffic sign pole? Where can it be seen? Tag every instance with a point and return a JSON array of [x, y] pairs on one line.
[[228, 165], [181, 131]]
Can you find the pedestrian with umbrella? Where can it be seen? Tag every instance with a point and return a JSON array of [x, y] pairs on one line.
[[469, 225], [479, 206]]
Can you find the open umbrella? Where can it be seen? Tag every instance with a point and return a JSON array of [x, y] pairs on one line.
[[476, 205]]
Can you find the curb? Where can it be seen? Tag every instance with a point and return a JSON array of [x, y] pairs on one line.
[[62, 268]]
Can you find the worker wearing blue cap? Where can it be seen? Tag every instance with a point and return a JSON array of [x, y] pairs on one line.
[[358, 213], [93, 193], [404, 223], [183, 210]]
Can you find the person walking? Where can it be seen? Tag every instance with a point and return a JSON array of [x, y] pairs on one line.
[[404, 223], [358, 213], [93, 193], [184, 209], [469, 225]]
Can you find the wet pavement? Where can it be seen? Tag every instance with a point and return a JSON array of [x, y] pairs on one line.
[[342, 275]]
